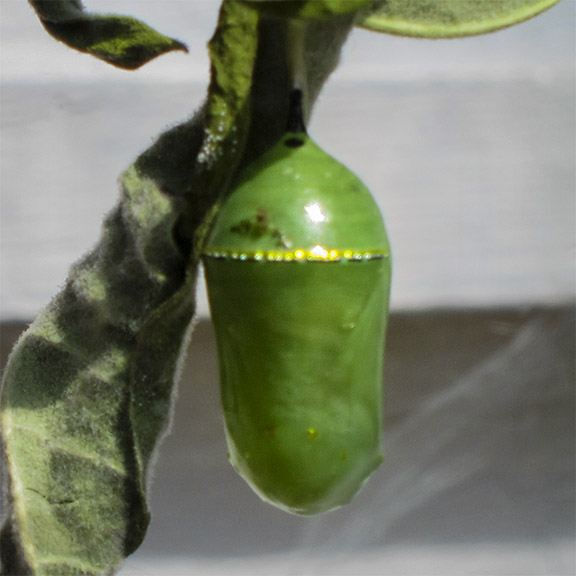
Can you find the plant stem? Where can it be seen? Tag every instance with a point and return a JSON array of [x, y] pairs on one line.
[[296, 54]]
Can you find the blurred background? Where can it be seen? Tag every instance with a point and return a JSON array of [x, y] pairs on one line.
[[469, 147]]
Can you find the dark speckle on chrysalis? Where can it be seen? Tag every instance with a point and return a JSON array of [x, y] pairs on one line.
[[300, 311]]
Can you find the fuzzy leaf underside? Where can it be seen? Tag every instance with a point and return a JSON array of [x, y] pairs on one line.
[[450, 18], [76, 503], [122, 41], [88, 389]]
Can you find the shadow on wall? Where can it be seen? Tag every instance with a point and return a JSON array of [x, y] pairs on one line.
[[479, 444]]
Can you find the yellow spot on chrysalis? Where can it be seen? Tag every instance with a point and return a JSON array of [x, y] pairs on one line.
[[312, 433]]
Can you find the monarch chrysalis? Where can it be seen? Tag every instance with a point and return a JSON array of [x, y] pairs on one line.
[[298, 274]]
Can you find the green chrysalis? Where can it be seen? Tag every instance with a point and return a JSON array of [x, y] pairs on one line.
[[298, 273]]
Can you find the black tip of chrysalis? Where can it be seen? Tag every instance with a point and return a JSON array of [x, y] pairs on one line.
[[295, 113]]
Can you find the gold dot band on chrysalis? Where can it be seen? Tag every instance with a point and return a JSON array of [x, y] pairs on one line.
[[316, 254]]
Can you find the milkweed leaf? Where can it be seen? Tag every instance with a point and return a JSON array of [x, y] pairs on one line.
[[122, 41], [450, 18], [88, 388], [77, 506]]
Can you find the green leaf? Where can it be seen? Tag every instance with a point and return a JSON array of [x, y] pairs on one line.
[[77, 505], [450, 18], [88, 389], [122, 41], [309, 9]]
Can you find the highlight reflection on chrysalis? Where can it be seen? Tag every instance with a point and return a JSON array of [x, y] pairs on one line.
[[298, 273]]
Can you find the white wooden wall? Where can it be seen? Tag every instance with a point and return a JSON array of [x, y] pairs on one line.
[[468, 146]]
